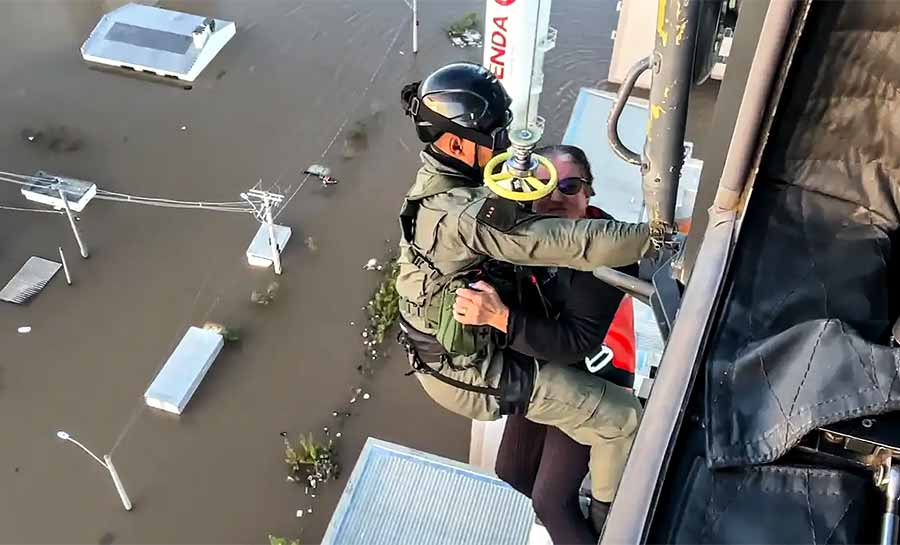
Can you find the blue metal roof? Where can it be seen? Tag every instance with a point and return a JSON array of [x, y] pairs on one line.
[[398, 495]]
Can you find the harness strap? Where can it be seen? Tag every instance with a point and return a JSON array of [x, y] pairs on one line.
[[419, 366]]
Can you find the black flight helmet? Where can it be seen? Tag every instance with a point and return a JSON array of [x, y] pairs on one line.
[[464, 99]]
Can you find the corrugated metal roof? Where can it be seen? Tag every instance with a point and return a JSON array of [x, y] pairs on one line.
[[30, 280], [398, 495]]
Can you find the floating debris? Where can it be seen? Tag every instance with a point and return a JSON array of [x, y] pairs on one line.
[[54, 138], [311, 244], [464, 31], [356, 139], [352, 322], [30, 280], [24, 329], [328, 180], [317, 170], [366, 396], [299, 513], [184, 127], [370, 265], [469, 38], [267, 296]]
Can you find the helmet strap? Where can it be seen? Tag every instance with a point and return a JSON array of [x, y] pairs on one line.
[[472, 172], [441, 124]]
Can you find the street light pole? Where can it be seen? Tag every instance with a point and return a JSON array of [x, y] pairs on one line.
[[120, 488], [106, 463]]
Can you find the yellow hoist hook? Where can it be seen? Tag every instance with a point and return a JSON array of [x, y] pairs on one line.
[[515, 179]]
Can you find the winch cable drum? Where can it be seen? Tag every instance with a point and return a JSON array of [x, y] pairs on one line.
[[515, 179]]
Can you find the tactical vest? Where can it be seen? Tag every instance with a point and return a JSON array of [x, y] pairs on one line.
[[435, 308]]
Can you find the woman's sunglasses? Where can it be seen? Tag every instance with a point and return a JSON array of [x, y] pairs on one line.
[[570, 186]]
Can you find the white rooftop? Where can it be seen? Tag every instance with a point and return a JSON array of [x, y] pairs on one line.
[[159, 41]]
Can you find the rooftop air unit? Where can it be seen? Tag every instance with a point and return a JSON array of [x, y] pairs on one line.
[[157, 41]]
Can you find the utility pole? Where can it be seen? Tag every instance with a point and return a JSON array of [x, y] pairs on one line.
[[65, 202], [62, 257], [268, 201], [415, 25]]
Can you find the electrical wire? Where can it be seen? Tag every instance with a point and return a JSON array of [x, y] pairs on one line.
[[13, 181], [25, 179], [163, 200], [17, 209], [216, 207], [102, 194], [364, 94]]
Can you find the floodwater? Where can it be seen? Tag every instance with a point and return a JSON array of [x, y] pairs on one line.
[[267, 107]]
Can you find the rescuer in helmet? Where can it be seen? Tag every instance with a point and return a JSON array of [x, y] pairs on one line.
[[455, 231]]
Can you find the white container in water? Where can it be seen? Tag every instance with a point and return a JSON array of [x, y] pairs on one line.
[[179, 378]]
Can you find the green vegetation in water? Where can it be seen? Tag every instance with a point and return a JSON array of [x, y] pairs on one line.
[[229, 334], [310, 460], [275, 540], [467, 22], [384, 308]]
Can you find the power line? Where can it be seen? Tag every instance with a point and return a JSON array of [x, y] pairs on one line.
[[163, 200], [102, 194], [12, 181], [12, 177], [17, 209], [365, 93], [216, 207]]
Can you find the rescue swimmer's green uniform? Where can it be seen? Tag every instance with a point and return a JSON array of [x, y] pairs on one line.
[[455, 230]]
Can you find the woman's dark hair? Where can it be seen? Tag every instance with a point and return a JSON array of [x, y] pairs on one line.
[[573, 154]]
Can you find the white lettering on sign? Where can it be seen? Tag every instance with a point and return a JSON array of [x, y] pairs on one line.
[[498, 47]]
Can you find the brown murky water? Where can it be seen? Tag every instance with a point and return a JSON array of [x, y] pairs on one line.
[[266, 108]]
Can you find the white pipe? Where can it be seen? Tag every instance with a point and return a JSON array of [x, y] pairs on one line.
[[415, 25]]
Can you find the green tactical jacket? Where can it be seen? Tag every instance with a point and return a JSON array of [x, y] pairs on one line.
[[452, 237]]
